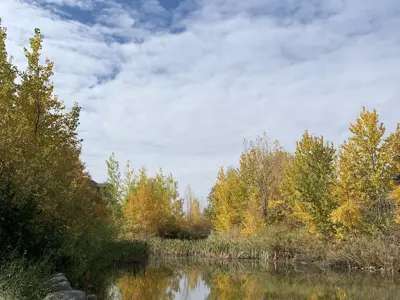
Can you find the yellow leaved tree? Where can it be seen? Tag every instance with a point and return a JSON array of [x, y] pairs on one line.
[[152, 203], [394, 140], [40, 148], [221, 214], [365, 168]]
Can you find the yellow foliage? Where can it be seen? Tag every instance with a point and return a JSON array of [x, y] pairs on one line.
[[277, 211], [221, 219], [365, 168], [153, 203], [137, 287], [252, 220], [396, 196], [193, 207], [347, 215]]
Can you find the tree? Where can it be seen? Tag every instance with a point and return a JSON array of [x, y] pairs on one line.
[[309, 183], [365, 169], [189, 201], [193, 206], [195, 211], [261, 169], [40, 149], [129, 183], [8, 88], [394, 141], [112, 190], [221, 218], [252, 217], [246, 194], [153, 203], [259, 162]]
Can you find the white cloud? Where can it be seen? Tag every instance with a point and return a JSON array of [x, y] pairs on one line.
[[185, 102]]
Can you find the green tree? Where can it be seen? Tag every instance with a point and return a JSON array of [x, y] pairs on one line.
[[112, 190], [309, 183], [129, 183]]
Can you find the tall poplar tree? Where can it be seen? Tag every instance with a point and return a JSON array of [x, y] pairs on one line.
[[40, 145], [8, 89], [365, 170], [309, 183], [221, 218]]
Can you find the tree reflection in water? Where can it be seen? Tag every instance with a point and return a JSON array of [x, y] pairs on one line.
[[168, 278]]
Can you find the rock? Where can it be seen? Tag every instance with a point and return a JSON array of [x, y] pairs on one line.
[[58, 282], [67, 295], [91, 297], [57, 279], [60, 286]]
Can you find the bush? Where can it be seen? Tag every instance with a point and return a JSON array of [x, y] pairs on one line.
[[20, 229], [185, 230], [22, 279], [375, 251]]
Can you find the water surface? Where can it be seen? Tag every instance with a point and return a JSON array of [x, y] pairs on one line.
[[169, 278]]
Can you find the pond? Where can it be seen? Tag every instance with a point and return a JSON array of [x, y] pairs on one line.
[[170, 278]]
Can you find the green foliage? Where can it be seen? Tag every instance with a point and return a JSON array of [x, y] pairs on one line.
[[309, 183], [23, 280], [19, 222], [112, 191]]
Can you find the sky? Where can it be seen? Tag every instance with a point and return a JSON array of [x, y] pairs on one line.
[[180, 84]]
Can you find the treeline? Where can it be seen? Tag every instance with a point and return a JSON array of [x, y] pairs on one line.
[[331, 191]]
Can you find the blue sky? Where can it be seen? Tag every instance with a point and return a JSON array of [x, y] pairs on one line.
[[180, 84]]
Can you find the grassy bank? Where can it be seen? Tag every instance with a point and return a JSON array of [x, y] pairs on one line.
[[291, 246]]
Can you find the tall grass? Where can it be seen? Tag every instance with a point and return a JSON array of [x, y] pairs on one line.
[[376, 252], [272, 244], [291, 245]]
